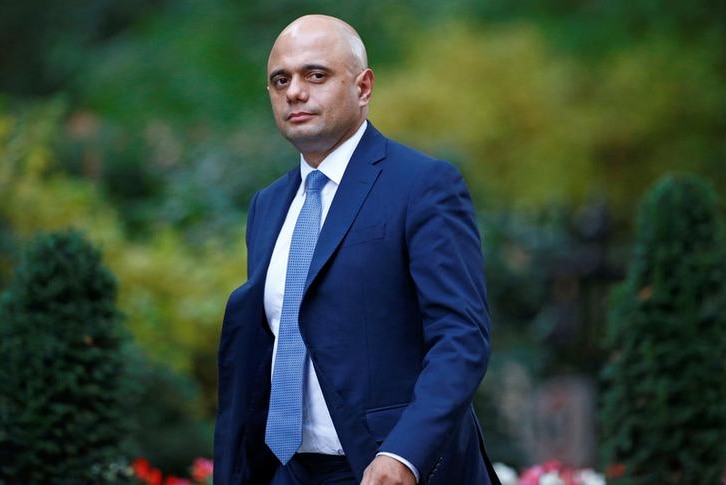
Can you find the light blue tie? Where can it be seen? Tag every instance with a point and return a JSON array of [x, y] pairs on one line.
[[284, 421]]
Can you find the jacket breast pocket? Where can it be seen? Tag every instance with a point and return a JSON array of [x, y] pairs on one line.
[[363, 234], [382, 420]]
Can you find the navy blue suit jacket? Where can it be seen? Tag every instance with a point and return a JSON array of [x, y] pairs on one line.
[[394, 316]]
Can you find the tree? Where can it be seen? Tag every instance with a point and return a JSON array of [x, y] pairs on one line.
[[536, 127], [663, 414], [64, 379]]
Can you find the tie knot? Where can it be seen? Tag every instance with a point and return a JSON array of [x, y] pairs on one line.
[[315, 181]]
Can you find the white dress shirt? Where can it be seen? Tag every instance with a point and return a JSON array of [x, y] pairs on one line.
[[318, 433]]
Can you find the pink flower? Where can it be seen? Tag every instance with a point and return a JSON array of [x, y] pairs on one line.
[[554, 472], [202, 468], [567, 475], [552, 466], [531, 475]]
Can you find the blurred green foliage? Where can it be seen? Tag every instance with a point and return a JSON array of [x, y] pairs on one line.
[[171, 425], [45, 42], [172, 293], [663, 411], [66, 390], [529, 127], [146, 125]]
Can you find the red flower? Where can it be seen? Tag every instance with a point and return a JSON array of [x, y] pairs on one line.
[[141, 466], [202, 468], [615, 470], [144, 472], [172, 480]]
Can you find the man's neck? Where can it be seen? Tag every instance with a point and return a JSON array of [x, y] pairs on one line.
[[314, 159]]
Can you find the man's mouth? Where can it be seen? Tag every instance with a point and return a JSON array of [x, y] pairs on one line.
[[299, 116]]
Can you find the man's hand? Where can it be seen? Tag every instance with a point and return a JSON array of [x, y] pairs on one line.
[[385, 470]]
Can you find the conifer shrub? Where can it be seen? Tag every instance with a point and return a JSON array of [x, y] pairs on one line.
[[664, 407], [64, 380]]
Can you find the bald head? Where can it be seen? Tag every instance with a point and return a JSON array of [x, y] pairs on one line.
[[319, 84], [331, 30]]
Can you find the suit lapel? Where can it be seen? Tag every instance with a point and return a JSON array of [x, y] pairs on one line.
[[275, 214], [357, 181]]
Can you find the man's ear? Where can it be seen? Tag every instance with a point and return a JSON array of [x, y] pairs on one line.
[[364, 83]]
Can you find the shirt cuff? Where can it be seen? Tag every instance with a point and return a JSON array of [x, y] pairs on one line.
[[408, 464]]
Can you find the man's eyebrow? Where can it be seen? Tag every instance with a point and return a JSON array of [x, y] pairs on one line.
[[276, 73], [316, 67], [306, 67]]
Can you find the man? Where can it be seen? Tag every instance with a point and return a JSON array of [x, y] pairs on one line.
[[353, 352]]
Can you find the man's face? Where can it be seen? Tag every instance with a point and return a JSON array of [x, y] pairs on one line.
[[317, 89]]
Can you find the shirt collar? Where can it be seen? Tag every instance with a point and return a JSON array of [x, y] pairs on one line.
[[333, 166]]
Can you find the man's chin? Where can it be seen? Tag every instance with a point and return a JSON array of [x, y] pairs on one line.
[[304, 139]]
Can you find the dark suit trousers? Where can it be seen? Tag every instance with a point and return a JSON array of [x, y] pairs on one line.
[[315, 469]]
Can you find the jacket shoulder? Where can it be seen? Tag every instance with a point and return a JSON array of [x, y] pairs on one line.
[[280, 184], [413, 162]]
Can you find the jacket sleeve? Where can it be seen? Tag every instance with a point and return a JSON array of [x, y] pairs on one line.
[[447, 268], [224, 432], [248, 232]]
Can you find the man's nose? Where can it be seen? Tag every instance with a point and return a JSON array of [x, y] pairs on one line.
[[296, 91]]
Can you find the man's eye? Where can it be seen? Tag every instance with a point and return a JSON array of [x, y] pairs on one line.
[[317, 76], [279, 82]]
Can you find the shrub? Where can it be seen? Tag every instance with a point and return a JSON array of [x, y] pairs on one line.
[[169, 428], [664, 411], [63, 380]]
